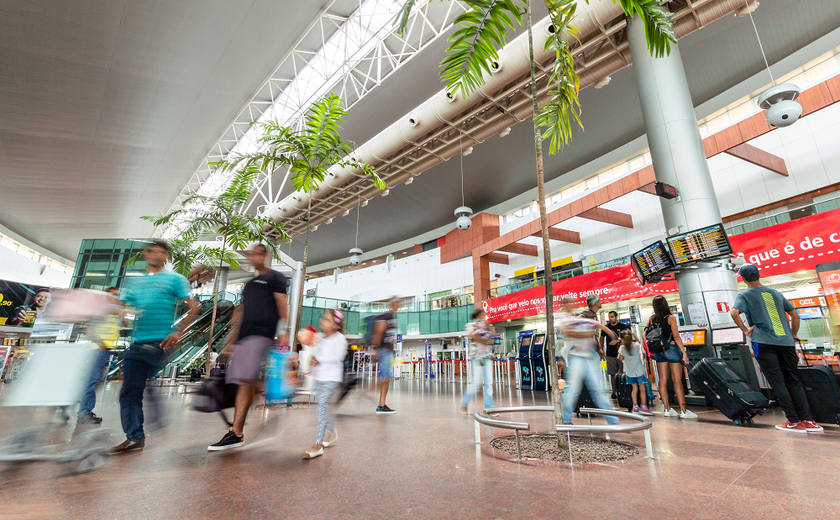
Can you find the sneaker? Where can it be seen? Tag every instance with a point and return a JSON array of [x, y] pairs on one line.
[[230, 440], [463, 410], [613, 396], [89, 418], [635, 409], [384, 409], [126, 446], [812, 427], [644, 410], [688, 414], [491, 414], [671, 413], [795, 428]]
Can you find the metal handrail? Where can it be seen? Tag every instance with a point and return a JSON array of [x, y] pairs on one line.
[[642, 424]]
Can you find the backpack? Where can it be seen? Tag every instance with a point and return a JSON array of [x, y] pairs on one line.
[[656, 342], [370, 328]]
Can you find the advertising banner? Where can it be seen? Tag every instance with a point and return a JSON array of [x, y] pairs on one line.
[[612, 285], [829, 275], [21, 303], [793, 246]]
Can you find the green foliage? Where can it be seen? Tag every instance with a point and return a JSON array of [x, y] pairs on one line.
[[308, 153], [658, 24], [482, 32]]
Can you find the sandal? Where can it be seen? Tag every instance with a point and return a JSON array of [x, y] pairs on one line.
[[312, 454], [330, 442]]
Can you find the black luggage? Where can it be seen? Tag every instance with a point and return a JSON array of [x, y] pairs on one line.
[[624, 392], [215, 395], [822, 390], [350, 381], [727, 390]]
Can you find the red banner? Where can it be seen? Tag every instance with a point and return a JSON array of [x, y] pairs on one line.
[[797, 245], [612, 285]]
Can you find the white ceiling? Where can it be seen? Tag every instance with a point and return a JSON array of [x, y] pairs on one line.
[[107, 108]]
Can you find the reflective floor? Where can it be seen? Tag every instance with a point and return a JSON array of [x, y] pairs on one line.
[[423, 462]]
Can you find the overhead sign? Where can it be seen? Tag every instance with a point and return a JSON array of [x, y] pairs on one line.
[[612, 285], [793, 246], [801, 303], [21, 303]]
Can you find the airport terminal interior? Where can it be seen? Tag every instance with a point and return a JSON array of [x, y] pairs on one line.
[[276, 259]]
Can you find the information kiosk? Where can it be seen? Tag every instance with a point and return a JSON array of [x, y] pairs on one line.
[[540, 371], [526, 371]]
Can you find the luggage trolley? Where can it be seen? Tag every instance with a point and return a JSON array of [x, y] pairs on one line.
[[54, 376]]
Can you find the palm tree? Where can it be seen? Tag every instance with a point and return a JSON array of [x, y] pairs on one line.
[[218, 216], [308, 153], [474, 46]]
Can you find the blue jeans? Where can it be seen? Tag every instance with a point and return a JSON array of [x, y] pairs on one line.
[[88, 400], [587, 371], [482, 370], [140, 362]]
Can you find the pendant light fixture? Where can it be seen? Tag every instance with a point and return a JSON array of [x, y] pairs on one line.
[[463, 213], [779, 100], [356, 253]]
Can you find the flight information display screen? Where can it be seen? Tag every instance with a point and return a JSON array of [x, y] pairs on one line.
[[700, 244], [652, 260]]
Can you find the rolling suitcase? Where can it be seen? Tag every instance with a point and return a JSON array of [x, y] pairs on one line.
[[584, 400], [624, 392], [822, 390], [727, 390]]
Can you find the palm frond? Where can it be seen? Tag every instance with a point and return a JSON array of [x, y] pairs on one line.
[[474, 45], [403, 16], [659, 30], [557, 116]]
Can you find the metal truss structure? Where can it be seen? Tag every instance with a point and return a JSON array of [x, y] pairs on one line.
[[597, 56], [348, 55]]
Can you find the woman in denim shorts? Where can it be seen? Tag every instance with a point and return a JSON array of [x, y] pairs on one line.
[[670, 363]]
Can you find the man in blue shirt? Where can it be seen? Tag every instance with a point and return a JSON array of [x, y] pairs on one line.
[[155, 297], [773, 345]]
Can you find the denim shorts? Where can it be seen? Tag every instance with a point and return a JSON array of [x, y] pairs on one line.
[[641, 380], [386, 363], [672, 354]]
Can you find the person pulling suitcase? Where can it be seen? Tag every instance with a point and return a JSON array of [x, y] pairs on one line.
[[774, 325]]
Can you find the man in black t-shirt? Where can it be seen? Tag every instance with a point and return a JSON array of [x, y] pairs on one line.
[[384, 339], [253, 331], [610, 347]]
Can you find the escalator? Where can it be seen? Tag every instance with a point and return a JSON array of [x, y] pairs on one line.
[[194, 341]]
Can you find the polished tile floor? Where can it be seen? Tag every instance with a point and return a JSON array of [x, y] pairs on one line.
[[423, 462]]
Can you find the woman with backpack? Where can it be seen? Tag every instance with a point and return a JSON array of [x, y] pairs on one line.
[[664, 342]]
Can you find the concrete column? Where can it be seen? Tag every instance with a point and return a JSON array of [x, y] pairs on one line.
[[223, 278], [679, 160]]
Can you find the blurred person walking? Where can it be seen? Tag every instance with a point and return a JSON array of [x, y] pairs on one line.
[[104, 333], [328, 361], [384, 340], [583, 354], [155, 298], [481, 358], [253, 331]]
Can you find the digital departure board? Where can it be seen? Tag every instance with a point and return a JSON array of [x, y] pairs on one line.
[[700, 244], [652, 260]]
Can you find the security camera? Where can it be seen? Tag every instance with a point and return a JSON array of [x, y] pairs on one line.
[[779, 103], [784, 113], [463, 213], [356, 256]]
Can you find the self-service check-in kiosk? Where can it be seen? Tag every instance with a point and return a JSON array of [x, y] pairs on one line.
[[538, 360], [526, 371], [732, 347]]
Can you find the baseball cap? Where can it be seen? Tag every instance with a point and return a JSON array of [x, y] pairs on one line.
[[749, 273], [592, 299]]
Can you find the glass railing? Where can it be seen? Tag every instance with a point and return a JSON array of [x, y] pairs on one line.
[[780, 218], [560, 275], [413, 318]]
